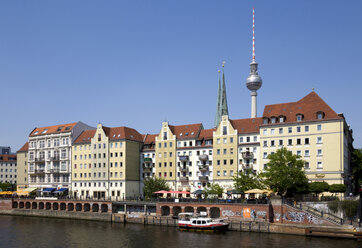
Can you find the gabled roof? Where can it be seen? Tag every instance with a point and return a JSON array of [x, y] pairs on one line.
[[244, 126], [85, 137], [206, 134], [63, 128], [308, 106], [24, 148], [7, 158], [113, 133], [149, 138], [190, 131]]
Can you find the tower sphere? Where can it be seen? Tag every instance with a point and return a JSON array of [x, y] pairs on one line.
[[253, 81]]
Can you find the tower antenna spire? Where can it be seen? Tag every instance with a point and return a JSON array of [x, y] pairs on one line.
[[253, 34]]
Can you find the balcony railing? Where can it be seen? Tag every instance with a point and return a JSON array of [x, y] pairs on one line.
[[184, 169], [247, 166], [204, 157], [147, 160], [203, 178], [39, 160], [184, 158], [55, 158], [147, 169], [248, 155], [203, 167], [184, 179]]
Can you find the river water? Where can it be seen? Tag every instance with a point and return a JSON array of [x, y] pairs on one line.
[[46, 232]]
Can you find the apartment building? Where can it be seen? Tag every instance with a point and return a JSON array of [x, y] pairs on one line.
[[8, 168], [49, 155], [22, 164], [106, 162]]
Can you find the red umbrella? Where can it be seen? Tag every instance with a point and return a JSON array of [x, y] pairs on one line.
[[185, 192], [175, 192], [161, 192]]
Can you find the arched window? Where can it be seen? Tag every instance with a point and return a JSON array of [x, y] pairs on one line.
[[300, 117], [320, 115], [265, 120], [282, 118], [273, 119]]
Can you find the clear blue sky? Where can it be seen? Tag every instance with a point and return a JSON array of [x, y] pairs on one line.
[[137, 63]]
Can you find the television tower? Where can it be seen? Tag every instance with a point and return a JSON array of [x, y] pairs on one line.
[[254, 81]]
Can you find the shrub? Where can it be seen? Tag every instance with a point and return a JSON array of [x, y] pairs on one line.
[[349, 207], [318, 187], [333, 206], [337, 188]]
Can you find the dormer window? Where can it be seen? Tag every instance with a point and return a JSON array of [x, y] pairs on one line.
[[186, 134], [180, 134], [36, 132], [59, 129], [281, 119], [265, 120], [320, 115], [273, 120], [299, 117], [45, 130]]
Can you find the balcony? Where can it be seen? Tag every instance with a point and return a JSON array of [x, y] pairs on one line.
[[184, 169], [203, 178], [147, 160], [184, 179], [247, 166], [39, 160], [248, 155], [55, 170], [184, 158], [39, 171], [203, 168], [147, 169], [55, 158], [204, 157]]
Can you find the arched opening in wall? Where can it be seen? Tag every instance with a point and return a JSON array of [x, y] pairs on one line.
[[21, 205], [41, 205], [95, 208], [104, 208], [176, 210], [63, 206], [55, 206], [34, 205], [214, 212], [78, 207], [15, 204], [48, 206], [189, 209], [27, 205], [201, 209], [70, 206], [165, 211], [86, 207]]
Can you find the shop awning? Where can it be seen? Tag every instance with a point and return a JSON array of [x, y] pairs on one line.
[[61, 190], [48, 189], [29, 189]]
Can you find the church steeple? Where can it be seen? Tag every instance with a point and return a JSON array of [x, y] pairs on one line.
[[222, 104]]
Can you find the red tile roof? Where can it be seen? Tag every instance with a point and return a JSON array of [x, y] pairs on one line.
[[149, 138], [7, 158], [24, 148], [308, 106], [113, 133], [85, 137], [206, 134], [245, 126], [190, 131], [53, 129]]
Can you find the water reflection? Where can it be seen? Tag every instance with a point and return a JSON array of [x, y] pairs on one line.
[[45, 232]]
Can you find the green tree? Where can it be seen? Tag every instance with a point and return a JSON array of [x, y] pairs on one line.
[[318, 187], [357, 169], [349, 207], [248, 180], [153, 184], [213, 189], [284, 173], [337, 188]]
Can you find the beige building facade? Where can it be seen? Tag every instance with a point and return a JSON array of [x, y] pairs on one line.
[[22, 170]]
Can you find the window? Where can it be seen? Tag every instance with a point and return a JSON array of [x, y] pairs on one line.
[[265, 132], [165, 144], [218, 141], [306, 153], [306, 166], [225, 162], [265, 121], [280, 142], [265, 155], [231, 140], [281, 119], [231, 161], [299, 142], [265, 143], [272, 143], [319, 140], [319, 127], [218, 151], [218, 162], [281, 130], [224, 173], [319, 152], [159, 145], [231, 150], [224, 140], [320, 115], [272, 131], [170, 144], [247, 139], [319, 165], [306, 128], [290, 142], [299, 117], [218, 173], [164, 135], [299, 129], [165, 164], [224, 130], [306, 141], [231, 173], [299, 153], [290, 130], [255, 138], [224, 151], [273, 120]]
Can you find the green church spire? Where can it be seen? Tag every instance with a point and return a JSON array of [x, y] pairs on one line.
[[221, 105]]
